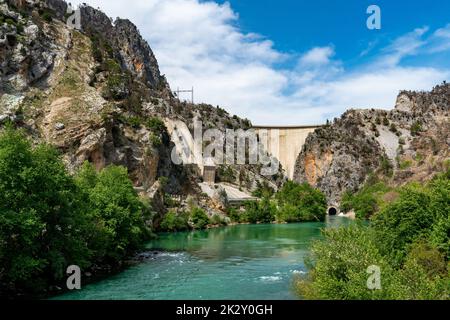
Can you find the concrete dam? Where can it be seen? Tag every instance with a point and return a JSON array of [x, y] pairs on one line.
[[289, 142], [284, 142]]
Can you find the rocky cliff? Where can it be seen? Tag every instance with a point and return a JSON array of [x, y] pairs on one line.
[[410, 142], [97, 94]]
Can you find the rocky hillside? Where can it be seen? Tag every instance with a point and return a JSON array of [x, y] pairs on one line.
[[410, 142], [98, 95]]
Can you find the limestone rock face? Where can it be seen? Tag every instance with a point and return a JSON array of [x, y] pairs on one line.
[[26, 53], [410, 142], [133, 51]]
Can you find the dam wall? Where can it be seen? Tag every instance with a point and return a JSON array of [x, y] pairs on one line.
[[290, 142]]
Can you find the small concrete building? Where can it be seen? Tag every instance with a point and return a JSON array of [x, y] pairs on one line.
[[209, 171]]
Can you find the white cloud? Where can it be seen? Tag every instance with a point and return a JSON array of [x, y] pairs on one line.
[[199, 44], [440, 40], [318, 56], [403, 46]]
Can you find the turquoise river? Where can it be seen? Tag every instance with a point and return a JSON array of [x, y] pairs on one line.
[[254, 262]]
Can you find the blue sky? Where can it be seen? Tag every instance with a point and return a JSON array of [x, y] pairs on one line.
[[297, 25], [293, 62]]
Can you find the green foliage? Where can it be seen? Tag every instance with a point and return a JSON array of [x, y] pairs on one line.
[[47, 14], [135, 122], [405, 164], [155, 140], [416, 128], [408, 239], [199, 218], [156, 125], [42, 222], [234, 215], [174, 222], [300, 202], [170, 202], [218, 220], [259, 211], [117, 81], [101, 49], [226, 173], [411, 217], [340, 265], [365, 202], [116, 209], [338, 269], [393, 128], [386, 166], [263, 190], [50, 220]]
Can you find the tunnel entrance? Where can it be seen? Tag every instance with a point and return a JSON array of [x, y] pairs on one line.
[[332, 211]]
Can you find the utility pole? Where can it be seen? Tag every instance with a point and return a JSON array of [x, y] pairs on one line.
[[177, 93]]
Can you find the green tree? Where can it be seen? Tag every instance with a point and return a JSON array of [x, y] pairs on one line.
[[42, 221], [199, 218], [310, 203], [116, 210]]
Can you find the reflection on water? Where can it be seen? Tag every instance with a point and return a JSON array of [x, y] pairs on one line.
[[238, 262]]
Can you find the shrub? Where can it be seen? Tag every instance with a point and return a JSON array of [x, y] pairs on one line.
[[234, 215], [386, 166], [263, 211], [405, 164], [155, 140], [338, 269], [263, 190], [47, 14], [156, 125], [218, 220], [135, 122], [408, 239], [393, 128], [199, 218], [174, 222], [416, 128]]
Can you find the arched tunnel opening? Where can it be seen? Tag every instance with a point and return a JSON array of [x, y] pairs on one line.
[[332, 211]]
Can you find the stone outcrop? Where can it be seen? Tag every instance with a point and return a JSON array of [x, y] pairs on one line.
[[410, 142], [133, 52]]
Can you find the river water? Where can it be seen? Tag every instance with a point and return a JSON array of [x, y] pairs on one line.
[[254, 262]]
